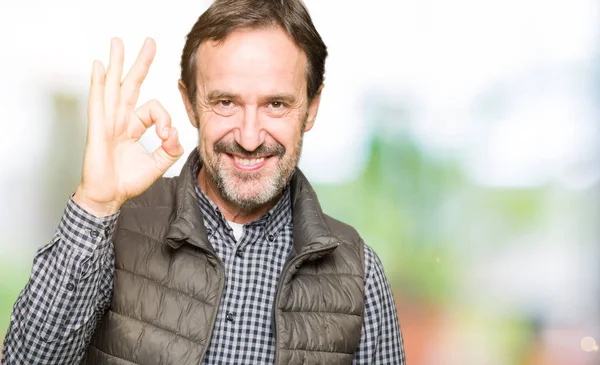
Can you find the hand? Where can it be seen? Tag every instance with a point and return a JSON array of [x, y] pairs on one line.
[[116, 167]]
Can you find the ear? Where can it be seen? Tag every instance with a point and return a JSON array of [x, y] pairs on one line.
[[313, 109], [189, 106]]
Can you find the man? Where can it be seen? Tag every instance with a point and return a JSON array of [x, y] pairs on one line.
[[232, 262]]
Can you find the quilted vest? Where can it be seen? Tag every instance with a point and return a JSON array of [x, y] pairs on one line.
[[168, 282]]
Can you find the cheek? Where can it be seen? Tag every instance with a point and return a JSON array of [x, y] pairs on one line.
[[213, 128], [286, 135]]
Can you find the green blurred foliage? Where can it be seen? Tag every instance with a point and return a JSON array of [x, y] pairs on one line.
[[421, 214], [12, 280], [394, 205]]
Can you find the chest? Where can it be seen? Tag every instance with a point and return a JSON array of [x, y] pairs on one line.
[[243, 330], [246, 300]]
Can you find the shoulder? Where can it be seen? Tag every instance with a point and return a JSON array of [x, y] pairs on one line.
[[343, 231], [374, 273], [150, 212], [349, 235], [351, 242], [161, 193]]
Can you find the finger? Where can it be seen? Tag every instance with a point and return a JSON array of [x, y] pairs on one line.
[[136, 75], [169, 151], [148, 114], [171, 145], [113, 78], [96, 98]]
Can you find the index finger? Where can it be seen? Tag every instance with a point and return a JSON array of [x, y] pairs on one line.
[[132, 83], [96, 99]]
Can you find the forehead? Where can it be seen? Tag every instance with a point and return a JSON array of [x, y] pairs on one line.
[[266, 59]]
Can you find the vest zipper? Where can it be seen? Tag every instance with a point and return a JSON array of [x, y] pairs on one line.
[[293, 261]]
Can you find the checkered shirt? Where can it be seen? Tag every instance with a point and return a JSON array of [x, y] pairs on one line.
[[72, 278], [67, 293]]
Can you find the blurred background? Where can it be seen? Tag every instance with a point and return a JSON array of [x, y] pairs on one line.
[[461, 138]]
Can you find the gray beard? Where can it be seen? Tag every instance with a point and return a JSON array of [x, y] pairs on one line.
[[270, 187]]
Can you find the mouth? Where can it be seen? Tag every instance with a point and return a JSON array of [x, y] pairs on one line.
[[249, 164]]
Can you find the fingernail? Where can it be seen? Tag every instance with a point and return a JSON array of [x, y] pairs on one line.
[[165, 132]]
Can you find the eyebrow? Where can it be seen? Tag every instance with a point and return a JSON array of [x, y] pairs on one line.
[[225, 95], [220, 95], [285, 98]]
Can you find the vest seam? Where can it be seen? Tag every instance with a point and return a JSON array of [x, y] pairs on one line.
[[164, 286], [158, 240], [324, 351], [153, 325], [113, 356], [139, 340], [145, 204], [323, 312], [329, 274]]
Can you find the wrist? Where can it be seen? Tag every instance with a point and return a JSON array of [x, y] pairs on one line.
[[94, 207]]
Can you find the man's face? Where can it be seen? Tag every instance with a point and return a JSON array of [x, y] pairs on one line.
[[251, 111]]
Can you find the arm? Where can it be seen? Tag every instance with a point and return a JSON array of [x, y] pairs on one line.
[[70, 284], [381, 340], [68, 291]]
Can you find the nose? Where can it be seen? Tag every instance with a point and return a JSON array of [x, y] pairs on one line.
[[250, 133]]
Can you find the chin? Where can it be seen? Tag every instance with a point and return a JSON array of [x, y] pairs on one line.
[[251, 193]]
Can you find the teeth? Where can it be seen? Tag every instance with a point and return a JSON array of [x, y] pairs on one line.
[[246, 162]]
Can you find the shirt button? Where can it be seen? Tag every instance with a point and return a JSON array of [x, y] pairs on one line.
[[271, 238], [229, 317], [209, 231], [94, 233], [70, 287], [239, 253]]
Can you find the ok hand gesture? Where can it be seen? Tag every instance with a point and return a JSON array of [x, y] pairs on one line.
[[116, 166]]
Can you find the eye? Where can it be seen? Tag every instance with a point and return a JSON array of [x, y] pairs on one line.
[[277, 108], [225, 107]]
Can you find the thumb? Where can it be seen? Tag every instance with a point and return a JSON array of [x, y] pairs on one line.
[[169, 151]]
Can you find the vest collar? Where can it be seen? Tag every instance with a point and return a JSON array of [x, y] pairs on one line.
[[311, 233], [188, 225]]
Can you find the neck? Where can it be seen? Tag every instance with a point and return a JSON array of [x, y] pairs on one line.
[[232, 211]]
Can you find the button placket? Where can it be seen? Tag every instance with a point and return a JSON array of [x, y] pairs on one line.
[[233, 251]]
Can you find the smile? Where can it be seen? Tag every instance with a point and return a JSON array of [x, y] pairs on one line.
[[243, 161], [248, 164]]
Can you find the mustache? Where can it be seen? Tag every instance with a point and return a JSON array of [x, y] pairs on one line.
[[234, 148]]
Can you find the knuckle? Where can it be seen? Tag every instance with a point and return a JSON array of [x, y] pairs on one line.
[[129, 102], [131, 88], [98, 81]]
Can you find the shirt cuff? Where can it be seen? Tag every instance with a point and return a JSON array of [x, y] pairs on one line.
[[84, 231]]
